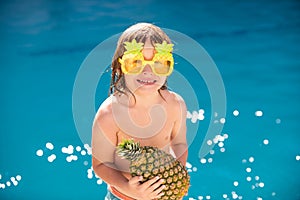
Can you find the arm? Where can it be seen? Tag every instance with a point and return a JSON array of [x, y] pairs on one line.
[[104, 140], [179, 143]]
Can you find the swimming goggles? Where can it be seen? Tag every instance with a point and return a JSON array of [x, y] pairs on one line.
[[133, 62]]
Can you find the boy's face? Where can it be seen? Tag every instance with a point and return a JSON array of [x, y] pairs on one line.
[[146, 81]]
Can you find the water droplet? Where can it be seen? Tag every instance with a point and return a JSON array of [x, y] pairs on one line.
[[201, 117], [188, 165], [70, 149], [220, 144], [188, 115], [99, 181], [235, 112], [222, 120], [203, 160], [15, 183], [39, 152], [90, 175], [49, 146], [8, 184], [248, 169], [258, 113], [78, 148], [194, 117], [261, 184], [234, 196], [18, 177], [51, 158], [69, 159], [221, 138], [251, 159], [266, 141], [209, 142], [225, 135], [74, 157], [235, 183]]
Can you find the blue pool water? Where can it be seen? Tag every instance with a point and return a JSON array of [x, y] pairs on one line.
[[254, 44]]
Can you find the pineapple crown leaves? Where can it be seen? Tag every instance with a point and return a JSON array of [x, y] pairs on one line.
[[129, 149], [133, 47], [164, 48]]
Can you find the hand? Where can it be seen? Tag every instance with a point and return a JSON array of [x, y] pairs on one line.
[[151, 189]]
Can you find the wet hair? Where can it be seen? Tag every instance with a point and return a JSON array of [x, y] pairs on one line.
[[140, 32]]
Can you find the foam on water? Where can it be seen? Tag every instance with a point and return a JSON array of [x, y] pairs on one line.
[[72, 154], [258, 113], [10, 181]]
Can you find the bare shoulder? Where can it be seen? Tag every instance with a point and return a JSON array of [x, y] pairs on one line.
[[104, 116], [175, 103], [173, 99]]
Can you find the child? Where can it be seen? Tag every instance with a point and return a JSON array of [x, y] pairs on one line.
[[140, 107]]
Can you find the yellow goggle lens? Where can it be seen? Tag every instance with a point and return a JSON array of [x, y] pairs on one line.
[[162, 67], [132, 66]]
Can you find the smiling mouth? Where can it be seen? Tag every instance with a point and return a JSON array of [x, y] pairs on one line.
[[146, 82]]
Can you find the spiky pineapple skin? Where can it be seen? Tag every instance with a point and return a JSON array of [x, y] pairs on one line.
[[151, 162]]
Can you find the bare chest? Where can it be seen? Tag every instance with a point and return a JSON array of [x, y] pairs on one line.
[[144, 124]]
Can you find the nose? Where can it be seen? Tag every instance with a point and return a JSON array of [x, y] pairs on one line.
[[147, 70]]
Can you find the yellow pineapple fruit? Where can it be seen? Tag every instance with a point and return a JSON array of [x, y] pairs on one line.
[[149, 162]]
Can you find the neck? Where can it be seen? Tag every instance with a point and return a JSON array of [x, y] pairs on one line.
[[145, 100]]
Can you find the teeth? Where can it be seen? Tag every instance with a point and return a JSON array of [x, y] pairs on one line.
[[146, 81]]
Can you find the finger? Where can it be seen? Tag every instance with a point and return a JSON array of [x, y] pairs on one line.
[[157, 188], [150, 182], [135, 180], [159, 192]]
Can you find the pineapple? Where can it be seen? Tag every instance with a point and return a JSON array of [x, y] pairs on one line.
[[150, 162]]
